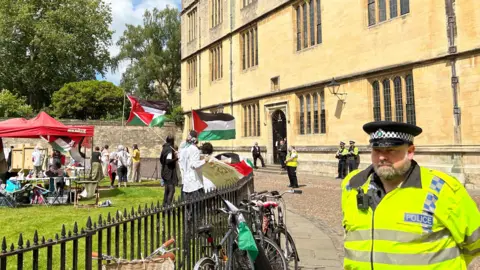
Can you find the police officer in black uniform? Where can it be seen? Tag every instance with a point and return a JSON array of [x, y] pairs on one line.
[[282, 153]]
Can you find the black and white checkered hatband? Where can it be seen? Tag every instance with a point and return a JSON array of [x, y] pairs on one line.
[[381, 134]]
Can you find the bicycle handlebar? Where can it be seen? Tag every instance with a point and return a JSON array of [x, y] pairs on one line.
[[292, 191], [168, 243]]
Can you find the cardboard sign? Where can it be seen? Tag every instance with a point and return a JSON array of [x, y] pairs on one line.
[[220, 174]]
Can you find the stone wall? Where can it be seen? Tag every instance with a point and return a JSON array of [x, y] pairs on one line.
[[149, 140]]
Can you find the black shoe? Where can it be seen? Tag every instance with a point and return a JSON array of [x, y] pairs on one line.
[[295, 186], [289, 186]]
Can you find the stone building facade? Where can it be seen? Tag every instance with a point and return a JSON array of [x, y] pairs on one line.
[[271, 64]]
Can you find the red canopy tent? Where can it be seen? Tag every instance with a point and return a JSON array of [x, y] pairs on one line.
[[43, 125]]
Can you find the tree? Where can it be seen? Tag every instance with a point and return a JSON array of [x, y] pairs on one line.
[[153, 53], [177, 116], [45, 44], [12, 105], [88, 100]]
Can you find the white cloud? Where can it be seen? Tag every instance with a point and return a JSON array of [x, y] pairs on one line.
[[129, 12]]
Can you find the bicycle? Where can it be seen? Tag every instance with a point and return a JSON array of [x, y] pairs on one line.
[[166, 261], [235, 258], [277, 231]]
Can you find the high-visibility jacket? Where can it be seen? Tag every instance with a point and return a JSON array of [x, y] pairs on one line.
[[293, 162], [428, 222]]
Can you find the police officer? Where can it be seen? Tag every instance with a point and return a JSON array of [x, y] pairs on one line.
[[291, 164], [352, 157], [341, 155], [400, 215]]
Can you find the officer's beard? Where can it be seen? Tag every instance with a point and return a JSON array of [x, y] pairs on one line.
[[387, 172]]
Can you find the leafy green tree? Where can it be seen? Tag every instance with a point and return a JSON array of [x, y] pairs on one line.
[[152, 51], [12, 105], [88, 100], [45, 44], [176, 115]]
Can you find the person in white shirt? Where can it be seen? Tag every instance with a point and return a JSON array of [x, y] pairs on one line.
[[122, 163], [105, 159], [37, 159], [191, 163]]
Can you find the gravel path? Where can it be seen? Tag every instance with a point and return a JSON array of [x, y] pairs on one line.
[[320, 202]]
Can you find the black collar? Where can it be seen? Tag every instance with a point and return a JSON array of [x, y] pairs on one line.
[[413, 178]]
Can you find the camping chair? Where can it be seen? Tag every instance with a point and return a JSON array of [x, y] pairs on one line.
[[12, 189], [5, 198], [56, 187], [39, 195], [90, 190]]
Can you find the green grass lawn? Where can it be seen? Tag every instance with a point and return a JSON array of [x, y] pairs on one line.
[[48, 220]]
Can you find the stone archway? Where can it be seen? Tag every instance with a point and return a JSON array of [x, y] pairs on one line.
[[279, 131]]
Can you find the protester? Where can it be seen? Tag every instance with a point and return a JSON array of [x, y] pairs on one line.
[[168, 160], [112, 171], [207, 150], [37, 159], [122, 160], [97, 174], [105, 159], [136, 164], [190, 163]]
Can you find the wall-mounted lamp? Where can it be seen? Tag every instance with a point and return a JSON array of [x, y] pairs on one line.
[[334, 88], [219, 108]]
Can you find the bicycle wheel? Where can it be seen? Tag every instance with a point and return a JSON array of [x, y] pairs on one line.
[[285, 241], [273, 253], [205, 263]]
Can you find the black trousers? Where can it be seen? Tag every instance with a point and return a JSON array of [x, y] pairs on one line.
[[352, 165], [282, 157], [255, 160], [342, 168], [292, 176], [168, 195]]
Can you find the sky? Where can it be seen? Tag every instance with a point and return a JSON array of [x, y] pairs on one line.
[[129, 12]]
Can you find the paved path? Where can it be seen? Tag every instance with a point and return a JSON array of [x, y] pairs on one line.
[[315, 247]]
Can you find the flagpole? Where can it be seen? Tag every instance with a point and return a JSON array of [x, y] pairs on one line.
[[123, 115], [161, 137], [191, 119]]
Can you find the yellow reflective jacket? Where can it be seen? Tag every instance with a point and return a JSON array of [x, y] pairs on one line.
[[429, 222], [293, 162]]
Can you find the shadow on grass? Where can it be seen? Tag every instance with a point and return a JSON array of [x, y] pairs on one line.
[[111, 192]]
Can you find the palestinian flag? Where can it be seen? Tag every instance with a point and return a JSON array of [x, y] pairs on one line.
[[147, 112], [246, 242], [67, 145], [243, 165], [211, 127]]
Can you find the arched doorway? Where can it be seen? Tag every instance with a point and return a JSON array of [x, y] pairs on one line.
[[279, 129]]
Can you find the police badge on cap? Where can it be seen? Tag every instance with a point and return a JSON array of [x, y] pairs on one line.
[[388, 133]]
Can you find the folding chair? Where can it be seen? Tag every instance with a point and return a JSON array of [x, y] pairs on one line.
[[56, 187], [89, 191], [39, 195], [6, 199], [14, 192]]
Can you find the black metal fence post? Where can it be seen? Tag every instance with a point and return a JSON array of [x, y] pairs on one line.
[[160, 223]]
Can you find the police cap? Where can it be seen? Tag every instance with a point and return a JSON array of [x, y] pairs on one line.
[[352, 142], [388, 133]]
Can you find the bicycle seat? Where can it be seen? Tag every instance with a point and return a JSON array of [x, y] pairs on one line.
[[205, 229]]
